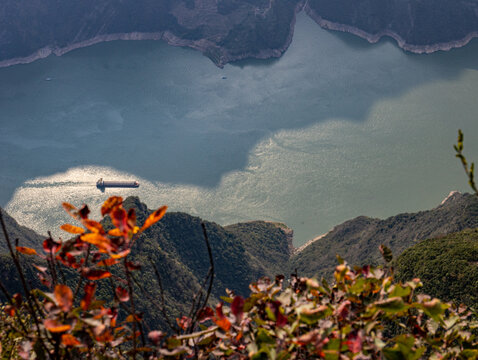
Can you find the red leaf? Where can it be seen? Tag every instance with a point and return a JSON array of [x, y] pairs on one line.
[[50, 245], [9, 310], [354, 342], [119, 218], [133, 266], [219, 312], [184, 322], [237, 306], [95, 274], [205, 314], [220, 319], [154, 217], [131, 218], [26, 250], [18, 299], [83, 212], [64, 297], [72, 229], [69, 340], [122, 294], [89, 293], [55, 327], [110, 204]]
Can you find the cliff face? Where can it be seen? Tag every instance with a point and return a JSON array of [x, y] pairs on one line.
[[224, 30], [417, 25]]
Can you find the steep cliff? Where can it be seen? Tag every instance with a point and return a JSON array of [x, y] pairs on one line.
[[226, 30], [223, 30], [420, 26]]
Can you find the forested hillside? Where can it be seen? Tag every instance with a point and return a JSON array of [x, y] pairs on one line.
[[358, 240]]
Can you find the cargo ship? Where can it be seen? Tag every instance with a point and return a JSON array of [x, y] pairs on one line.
[[101, 184]]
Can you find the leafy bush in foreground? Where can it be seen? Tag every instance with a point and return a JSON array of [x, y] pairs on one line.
[[364, 315]]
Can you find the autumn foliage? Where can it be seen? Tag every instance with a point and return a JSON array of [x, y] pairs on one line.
[[364, 314]]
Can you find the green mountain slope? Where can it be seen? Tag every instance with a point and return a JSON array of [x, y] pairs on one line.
[[176, 247], [357, 240], [447, 266]]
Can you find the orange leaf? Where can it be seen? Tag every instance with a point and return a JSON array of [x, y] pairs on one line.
[[26, 250], [71, 210], [115, 232], [111, 203], [121, 254], [154, 217], [72, 229], [93, 274], [101, 242], [55, 327], [64, 297], [69, 340], [223, 323], [108, 262], [93, 226], [130, 318]]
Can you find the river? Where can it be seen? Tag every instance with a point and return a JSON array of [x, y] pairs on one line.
[[334, 129]]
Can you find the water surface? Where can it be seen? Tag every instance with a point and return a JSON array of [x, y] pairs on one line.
[[334, 129]]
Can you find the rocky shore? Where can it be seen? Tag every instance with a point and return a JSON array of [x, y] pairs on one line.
[[401, 42], [227, 31]]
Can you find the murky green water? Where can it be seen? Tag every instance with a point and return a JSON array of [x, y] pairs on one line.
[[334, 129]]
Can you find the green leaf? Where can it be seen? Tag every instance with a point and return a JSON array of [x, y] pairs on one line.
[[434, 308], [399, 291], [392, 305]]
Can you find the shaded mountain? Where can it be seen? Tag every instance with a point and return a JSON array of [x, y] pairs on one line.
[[176, 247], [226, 30], [26, 236], [417, 26], [357, 240], [447, 267]]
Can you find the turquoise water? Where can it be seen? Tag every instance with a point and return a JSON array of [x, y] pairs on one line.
[[334, 129]]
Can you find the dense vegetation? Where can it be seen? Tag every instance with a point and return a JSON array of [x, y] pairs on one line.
[[447, 266]]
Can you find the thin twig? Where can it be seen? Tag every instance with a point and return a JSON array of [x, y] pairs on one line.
[[211, 280], [23, 281], [161, 295]]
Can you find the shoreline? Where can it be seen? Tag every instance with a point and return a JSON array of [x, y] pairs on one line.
[[204, 46], [401, 42], [221, 56]]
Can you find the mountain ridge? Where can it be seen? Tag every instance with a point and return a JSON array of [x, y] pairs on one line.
[[227, 30]]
